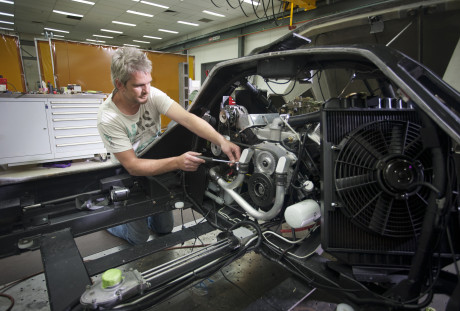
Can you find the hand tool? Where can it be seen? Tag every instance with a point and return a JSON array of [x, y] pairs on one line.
[[209, 159]]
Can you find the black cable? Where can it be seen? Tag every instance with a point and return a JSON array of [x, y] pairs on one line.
[[273, 13], [212, 1], [11, 301], [290, 91], [239, 4], [276, 82], [216, 226]]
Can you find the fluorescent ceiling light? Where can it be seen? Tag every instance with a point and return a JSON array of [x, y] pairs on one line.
[[156, 38], [67, 13], [103, 36], [60, 36], [165, 30], [154, 4], [6, 1], [213, 13], [136, 46], [139, 13], [57, 30], [98, 41], [6, 14], [5, 22], [3, 28], [141, 41], [187, 23], [251, 2], [83, 1], [114, 31], [126, 24]]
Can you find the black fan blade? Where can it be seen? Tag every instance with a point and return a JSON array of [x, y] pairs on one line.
[[347, 183], [397, 140], [379, 219], [365, 145]]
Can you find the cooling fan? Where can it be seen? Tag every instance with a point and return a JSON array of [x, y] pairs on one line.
[[378, 176]]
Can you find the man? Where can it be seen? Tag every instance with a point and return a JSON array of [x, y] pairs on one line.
[[129, 120]]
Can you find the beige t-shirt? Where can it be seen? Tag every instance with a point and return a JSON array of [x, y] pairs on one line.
[[121, 132]]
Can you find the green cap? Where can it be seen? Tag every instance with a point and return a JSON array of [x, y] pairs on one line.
[[111, 278]]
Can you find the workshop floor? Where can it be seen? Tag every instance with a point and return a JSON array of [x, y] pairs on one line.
[[250, 283]]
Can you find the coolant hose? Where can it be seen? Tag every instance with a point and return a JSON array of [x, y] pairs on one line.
[[281, 169]]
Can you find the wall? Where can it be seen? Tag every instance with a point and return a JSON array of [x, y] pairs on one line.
[[228, 49], [218, 51]]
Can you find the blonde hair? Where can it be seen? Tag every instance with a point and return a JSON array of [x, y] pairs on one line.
[[126, 61]]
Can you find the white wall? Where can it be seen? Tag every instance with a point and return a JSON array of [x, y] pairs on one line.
[[218, 51], [228, 49], [262, 38]]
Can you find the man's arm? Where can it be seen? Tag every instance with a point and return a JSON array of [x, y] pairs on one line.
[[149, 167], [203, 129]]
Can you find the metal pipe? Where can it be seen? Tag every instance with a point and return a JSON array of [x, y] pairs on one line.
[[281, 170], [179, 261]]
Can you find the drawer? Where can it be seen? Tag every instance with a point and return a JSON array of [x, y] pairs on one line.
[[86, 142], [73, 121], [65, 131]]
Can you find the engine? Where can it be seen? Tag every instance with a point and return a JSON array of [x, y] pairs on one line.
[[269, 176]]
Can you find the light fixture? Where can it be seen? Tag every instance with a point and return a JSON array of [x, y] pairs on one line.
[[251, 2], [6, 14], [213, 13], [153, 4], [141, 41], [188, 23], [101, 36], [57, 30], [114, 31], [84, 1], [97, 41], [3, 28], [59, 36], [156, 38], [67, 13], [136, 46], [5, 22], [6, 1], [126, 24], [139, 13], [165, 30]]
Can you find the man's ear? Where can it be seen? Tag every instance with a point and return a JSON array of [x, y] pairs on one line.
[[118, 84]]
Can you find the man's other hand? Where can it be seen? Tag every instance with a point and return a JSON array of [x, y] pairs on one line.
[[189, 162]]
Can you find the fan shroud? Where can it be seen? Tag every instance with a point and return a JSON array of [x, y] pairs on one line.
[[378, 175]]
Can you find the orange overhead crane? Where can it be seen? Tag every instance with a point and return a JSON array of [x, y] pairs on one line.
[[304, 4]]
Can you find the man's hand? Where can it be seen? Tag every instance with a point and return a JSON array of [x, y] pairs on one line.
[[232, 151], [189, 162]]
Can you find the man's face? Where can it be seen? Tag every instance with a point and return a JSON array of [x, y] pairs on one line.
[[137, 88]]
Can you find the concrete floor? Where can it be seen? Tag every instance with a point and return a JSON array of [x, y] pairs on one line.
[[232, 288], [250, 283]]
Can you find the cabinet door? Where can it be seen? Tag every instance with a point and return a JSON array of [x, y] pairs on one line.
[[24, 130]]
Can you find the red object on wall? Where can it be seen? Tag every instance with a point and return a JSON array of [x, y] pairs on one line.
[[3, 85]]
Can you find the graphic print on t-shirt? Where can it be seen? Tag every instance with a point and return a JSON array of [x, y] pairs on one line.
[[145, 132]]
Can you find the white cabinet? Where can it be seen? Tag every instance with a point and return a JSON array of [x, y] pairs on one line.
[[36, 129], [24, 131]]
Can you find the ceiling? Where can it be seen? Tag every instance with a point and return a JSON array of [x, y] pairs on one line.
[[32, 16]]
